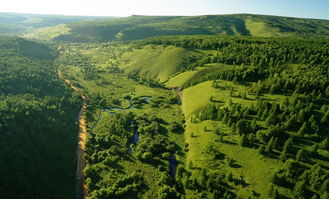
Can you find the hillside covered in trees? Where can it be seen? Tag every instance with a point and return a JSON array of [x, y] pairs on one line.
[[37, 124]]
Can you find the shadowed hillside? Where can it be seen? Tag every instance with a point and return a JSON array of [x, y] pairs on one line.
[[140, 27]]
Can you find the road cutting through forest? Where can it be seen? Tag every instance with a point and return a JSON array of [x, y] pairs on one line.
[[81, 186]]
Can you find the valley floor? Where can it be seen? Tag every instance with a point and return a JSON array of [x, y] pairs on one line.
[[149, 141]]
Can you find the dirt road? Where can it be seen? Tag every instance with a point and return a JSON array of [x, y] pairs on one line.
[[81, 186]]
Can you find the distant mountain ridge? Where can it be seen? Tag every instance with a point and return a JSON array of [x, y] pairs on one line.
[[14, 23], [104, 29], [140, 27]]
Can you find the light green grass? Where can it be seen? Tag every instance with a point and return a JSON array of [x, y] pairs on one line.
[[261, 29], [255, 168], [197, 97], [155, 62], [180, 79]]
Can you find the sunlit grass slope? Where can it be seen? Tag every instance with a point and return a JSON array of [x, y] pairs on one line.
[[180, 79], [155, 62], [256, 169], [48, 33], [258, 28]]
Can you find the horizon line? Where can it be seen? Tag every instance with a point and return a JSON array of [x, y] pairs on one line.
[[169, 15]]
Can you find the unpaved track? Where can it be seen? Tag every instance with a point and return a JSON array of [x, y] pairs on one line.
[[81, 186]]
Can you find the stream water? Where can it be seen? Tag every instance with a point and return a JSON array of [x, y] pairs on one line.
[[172, 165], [134, 140], [172, 160]]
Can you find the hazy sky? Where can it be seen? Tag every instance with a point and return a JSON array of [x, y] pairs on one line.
[[297, 8]]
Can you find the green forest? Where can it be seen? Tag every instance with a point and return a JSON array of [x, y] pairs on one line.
[[229, 106], [38, 128]]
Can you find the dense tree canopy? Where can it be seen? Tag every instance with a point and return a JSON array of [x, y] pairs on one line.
[[37, 124]]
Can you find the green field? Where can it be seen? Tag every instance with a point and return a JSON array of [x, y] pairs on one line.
[[155, 62], [255, 169]]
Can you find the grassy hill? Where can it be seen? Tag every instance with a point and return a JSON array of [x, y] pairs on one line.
[[156, 62], [140, 27]]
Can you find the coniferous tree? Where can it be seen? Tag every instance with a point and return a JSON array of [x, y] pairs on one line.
[[272, 89], [275, 194], [299, 155], [290, 122], [326, 92], [301, 115], [253, 125], [325, 144], [265, 114], [315, 127], [261, 149], [285, 102], [235, 80], [283, 156], [302, 130], [269, 145], [319, 97], [311, 119], [325, 118], [217, 131], [314, 149], [229, 101], [325, 186], [225, 117], [271, 119], [300, 189], [259, 113], [243, 141], [258, 93], [287, 145]]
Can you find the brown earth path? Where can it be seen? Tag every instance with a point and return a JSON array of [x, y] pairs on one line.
[[81, 186]]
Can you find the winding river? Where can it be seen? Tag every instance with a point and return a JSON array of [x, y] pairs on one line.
[[173, 163], [110, 110]]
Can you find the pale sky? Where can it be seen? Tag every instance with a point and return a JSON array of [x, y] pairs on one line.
[[295, 8]]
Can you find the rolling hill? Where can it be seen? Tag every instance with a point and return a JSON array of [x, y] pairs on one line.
[[140, 27], [156, 62]]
